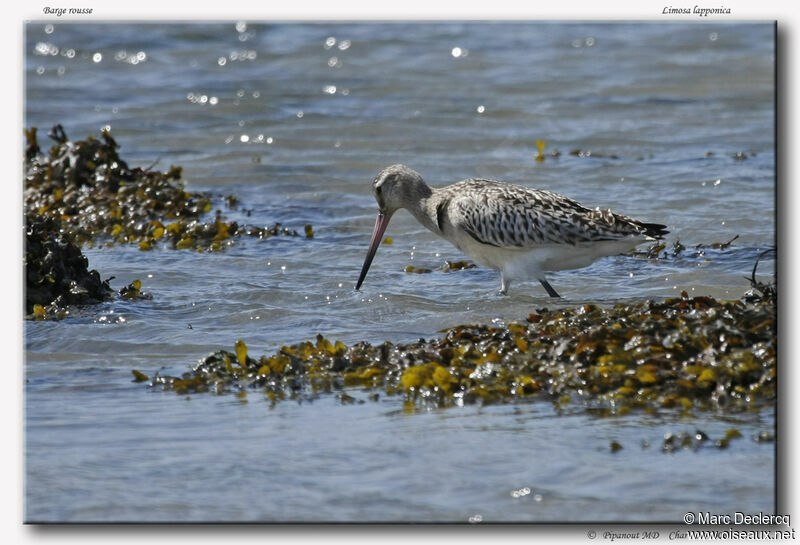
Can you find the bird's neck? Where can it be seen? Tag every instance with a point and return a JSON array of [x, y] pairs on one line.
[[423, 209]]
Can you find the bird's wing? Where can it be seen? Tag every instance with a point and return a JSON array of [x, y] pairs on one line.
[[510, 216]]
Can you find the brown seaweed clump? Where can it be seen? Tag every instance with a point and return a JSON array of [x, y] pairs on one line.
[[93, 194], [682, 354], [56, 272]]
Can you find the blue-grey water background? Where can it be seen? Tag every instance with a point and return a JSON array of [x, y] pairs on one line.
[[296, 119]]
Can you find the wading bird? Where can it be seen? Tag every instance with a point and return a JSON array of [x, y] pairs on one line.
[[518, 231]]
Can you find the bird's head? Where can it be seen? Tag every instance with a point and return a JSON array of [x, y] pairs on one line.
[[395, 187]]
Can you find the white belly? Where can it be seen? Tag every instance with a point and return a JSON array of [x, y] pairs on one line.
[[531, 263]]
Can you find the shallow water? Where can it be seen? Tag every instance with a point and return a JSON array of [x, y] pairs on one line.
[[296, 120]]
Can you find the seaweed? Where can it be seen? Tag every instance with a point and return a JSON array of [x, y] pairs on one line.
[[683, 354], [56, 272], [766, 292], [90, 192]]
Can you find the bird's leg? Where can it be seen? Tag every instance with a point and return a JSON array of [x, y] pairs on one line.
[[550, 291], [504, 284]]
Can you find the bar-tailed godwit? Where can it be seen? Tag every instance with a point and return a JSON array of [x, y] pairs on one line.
[[518, 231]]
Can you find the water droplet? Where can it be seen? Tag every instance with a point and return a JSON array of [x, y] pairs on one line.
[[269, 140], [480, 109], [717, 182], [589, 42], [222, 61], [241, 26], [244, 138], [713, 36], [456, 52], [97, 57], [300, 114], [213, 100], [48, 29], [329, 89], [330, 41], [283, 267], [344, 44]]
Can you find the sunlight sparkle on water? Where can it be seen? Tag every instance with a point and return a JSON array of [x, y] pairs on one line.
[[521, 492], [45, 48]]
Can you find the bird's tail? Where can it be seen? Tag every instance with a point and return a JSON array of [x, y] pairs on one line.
[[655, 230]]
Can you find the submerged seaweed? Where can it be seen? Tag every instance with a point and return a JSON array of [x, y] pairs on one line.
[[684, 354]]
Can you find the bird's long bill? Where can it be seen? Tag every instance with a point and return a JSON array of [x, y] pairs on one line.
[[380, 226]]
